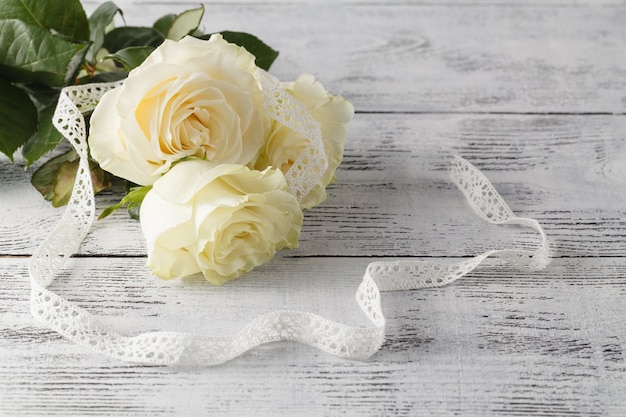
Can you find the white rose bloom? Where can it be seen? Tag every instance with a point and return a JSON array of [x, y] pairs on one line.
[[188, 98], [283, 145], [219, 220]]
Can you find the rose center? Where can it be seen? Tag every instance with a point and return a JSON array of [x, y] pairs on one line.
[[195, 132]]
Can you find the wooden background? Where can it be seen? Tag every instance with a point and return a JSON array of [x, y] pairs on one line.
[[533, 93]]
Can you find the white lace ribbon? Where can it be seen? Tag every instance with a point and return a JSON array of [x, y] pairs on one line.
[[186, 349]]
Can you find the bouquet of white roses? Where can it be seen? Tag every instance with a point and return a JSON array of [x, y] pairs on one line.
[[188, 127]]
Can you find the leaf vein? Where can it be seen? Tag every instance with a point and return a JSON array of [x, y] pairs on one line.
[[32, 15]]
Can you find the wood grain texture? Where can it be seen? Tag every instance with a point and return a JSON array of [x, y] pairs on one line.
[[89, 4], [566, 171], [426, 57], [499, 342], [532, 93]]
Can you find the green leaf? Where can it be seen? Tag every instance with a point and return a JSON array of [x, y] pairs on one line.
[[98, 22], [45, 139], [18, 118], [103, 77], [65, 17], [185, 23], [263, 53], [133, 211], [66, 177], [131, 57], [132, 201], [75, 65], [63, 183], [127, 36], [41, 94], [42, 41], [30, 53], [55, 179], [100, 179], [164, 23], [43, 178]]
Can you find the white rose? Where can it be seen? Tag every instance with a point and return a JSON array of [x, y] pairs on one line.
[[219, 220], [283, 145], [188, 98]]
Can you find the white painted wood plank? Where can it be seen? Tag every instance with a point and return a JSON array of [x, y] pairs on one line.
[[500, 342], [394, 196], [430, 57], [389, 3]]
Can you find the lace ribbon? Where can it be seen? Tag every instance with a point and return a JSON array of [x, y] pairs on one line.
[[186, 349]]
